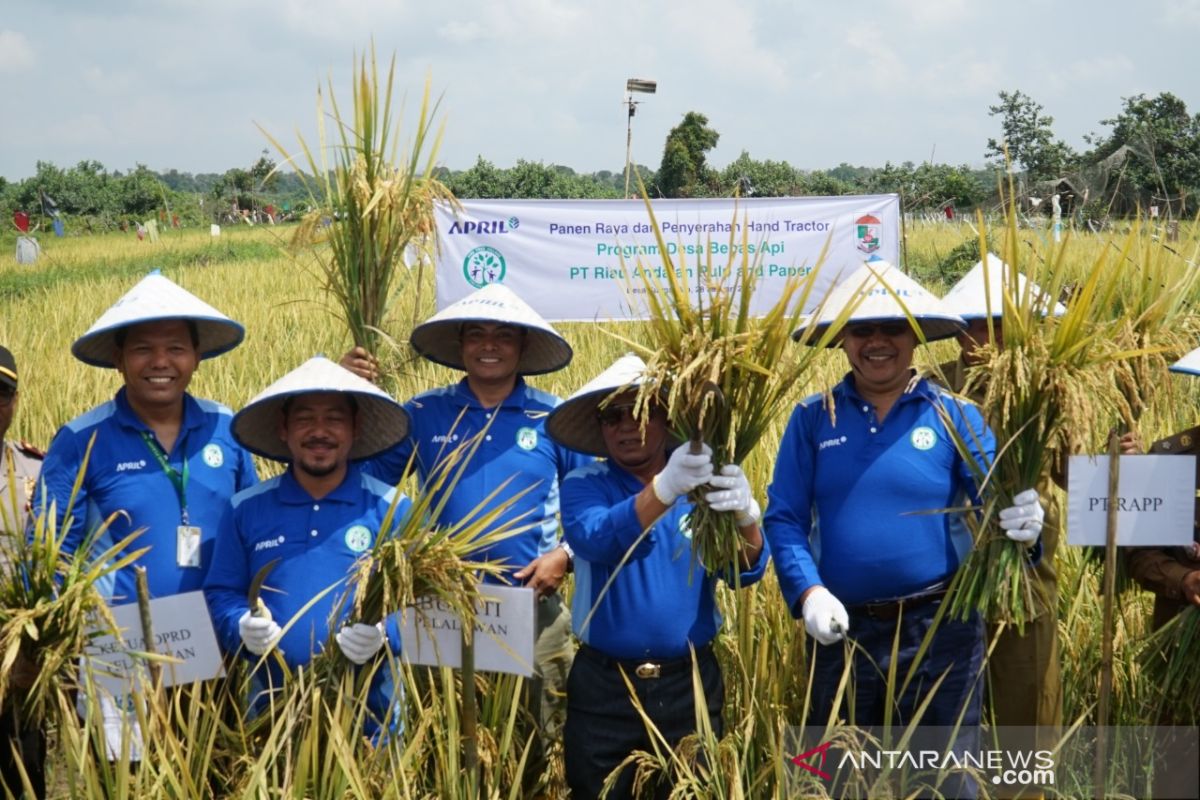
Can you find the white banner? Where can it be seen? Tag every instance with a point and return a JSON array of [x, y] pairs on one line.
[[1156, 499], [569, 259], [504, 635], [182, 630]]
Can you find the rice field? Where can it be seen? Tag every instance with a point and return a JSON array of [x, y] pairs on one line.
[[315, 753]]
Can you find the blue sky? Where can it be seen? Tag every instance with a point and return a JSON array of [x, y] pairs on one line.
[[184, 83]]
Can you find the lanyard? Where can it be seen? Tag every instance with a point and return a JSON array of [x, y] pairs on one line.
[[178, 478]]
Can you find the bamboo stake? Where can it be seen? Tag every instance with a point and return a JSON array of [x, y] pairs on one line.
[[1099, 769], [470, 712], [143, 601]]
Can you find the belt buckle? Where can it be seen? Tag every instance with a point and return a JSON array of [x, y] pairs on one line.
[[648, 670]]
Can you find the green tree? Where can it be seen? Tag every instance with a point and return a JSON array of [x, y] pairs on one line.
[[684, 171], [1164, 142], [1028, 135]]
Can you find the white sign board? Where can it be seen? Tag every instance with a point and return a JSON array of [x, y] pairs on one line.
[[577, 259], [1156, 499], [504, 631], [182, 630]]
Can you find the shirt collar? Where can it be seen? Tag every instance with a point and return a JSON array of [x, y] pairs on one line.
[[918, 388], [193, 417], [292, 493], [516, 399]]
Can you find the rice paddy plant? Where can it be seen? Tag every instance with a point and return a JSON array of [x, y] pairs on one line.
[[1169, 659], [1048, 392], [724, 372], [373, 205]]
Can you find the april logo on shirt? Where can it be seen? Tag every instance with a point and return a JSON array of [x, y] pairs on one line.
[[268, 544], [923, 438], [213, 455], [527, 438], [125, 466]]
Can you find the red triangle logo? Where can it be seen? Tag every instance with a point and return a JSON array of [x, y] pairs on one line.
[[801, 761]]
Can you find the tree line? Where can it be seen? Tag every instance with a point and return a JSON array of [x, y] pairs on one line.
[[1150, 156]]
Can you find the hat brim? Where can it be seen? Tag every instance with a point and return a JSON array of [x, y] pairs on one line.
[[381, 423], [933, 328], [214, 337], [439, 341]]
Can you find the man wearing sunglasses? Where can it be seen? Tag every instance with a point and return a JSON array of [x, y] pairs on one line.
[[645, 610], [856, 516]]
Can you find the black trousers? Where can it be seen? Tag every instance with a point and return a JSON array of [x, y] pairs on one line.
[[603, 727]]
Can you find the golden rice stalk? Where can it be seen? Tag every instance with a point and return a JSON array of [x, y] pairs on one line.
[[1048, 392], [372, 206], [50, 606], [723, 373], [1169, 659]]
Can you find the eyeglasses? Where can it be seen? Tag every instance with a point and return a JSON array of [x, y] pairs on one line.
[[611, 416], [7, 396], [888, 329]]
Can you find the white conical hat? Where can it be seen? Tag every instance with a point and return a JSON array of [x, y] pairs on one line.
[[438, 337], [879, 288], [382, 422], [977, 297], [156, 298], [574, 423], [1189, 364]]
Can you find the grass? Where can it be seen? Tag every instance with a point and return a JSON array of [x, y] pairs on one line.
[[315, 751]]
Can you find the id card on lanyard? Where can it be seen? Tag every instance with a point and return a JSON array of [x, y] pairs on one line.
[[187, 536]]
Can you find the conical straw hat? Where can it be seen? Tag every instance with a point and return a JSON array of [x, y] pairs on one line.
[[880, 288], [975, 297], [574, 423], [382, 422], [156, 298], [1189, 364], [438, 337]]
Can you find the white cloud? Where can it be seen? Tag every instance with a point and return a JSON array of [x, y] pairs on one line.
[[1182, 12], [16, 54]]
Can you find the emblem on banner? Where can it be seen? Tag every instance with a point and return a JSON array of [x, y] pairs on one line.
[[867, 230], [484, 265]]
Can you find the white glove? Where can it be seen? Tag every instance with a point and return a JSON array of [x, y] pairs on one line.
[[683, 473], [1022, 521], [359, 642], [734, 495], [259, 634], [824, 616]]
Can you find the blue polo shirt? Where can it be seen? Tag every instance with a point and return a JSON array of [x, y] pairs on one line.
[[849, 503], [660, 600], [124, 478], [514, 454], [317, 542]]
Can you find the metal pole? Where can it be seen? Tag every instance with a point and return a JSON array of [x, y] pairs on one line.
[[628, 141], [1100, 767]]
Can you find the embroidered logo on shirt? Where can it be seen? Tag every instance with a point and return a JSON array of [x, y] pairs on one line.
[[267, 544], [444, 438], [834, 442], [358, 538], [125, 466], [527, 438], [213, 456], [923, 438], [685, 526]]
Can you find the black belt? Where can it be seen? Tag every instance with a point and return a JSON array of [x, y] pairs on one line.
[[891, 609], [648, 668]]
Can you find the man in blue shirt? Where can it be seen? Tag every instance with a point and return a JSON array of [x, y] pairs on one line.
[[153, 458], [315, 520], [643, 604], [856, 551], [160, 460], [481, 443]]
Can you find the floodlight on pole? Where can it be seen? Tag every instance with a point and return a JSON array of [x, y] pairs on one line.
[[633, 85]]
